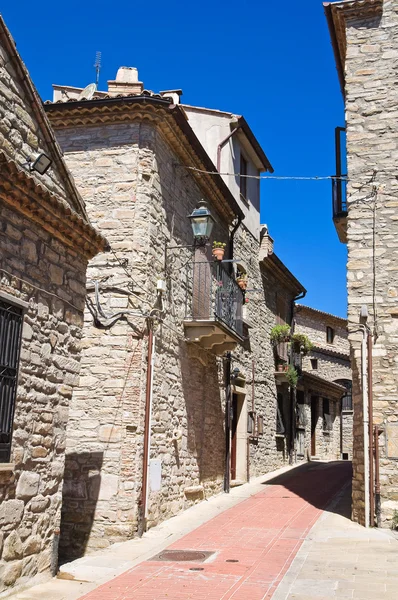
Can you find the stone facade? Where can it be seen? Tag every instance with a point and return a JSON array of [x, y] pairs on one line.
[[42, 276], [129, 171], [366, 36], [329, 359]]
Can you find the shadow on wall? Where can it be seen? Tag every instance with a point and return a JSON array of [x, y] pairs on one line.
[[318, 483], [205, 415], [80, 490]]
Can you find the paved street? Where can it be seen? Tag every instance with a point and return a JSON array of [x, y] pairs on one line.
[[270, 539], [254, 544]]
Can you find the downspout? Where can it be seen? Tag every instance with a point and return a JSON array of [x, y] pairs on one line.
[[370, 433], [147, 428], [293, 391], [365, 409], [377, 476], [222, 144], [227, 473]]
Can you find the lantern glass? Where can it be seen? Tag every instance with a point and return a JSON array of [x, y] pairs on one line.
[[201, 221]]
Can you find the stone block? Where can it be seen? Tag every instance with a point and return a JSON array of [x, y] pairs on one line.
[[11, 512], [12, 549], [110, 433], [12, 572], [32, 545]]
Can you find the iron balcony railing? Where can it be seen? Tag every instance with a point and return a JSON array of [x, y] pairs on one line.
[[339, 196], [213, 294]]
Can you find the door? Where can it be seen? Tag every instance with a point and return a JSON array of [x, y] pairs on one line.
[[234, 436], [314, 421]]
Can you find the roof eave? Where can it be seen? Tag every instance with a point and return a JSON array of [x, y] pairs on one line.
[[242, 123], [327, 6]]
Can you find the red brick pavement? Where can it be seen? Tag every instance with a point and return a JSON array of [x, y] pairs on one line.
[[263, 533]]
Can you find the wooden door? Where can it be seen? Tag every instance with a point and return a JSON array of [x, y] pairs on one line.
[[314, 421], [234, 437]]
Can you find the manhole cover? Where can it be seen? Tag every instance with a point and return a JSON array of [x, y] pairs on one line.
[[182, 556]]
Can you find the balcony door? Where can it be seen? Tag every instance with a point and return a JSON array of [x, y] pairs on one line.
[[239, 438]]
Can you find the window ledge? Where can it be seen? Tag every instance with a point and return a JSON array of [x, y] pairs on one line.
[[7, 467], [280, 435], [326, 432]]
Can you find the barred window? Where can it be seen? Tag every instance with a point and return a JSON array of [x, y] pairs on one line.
[[11, 319]]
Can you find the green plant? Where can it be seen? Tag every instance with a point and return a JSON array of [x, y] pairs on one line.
[[221, 245], [292, 376], [280, 333], [394, 520], [303, 342]]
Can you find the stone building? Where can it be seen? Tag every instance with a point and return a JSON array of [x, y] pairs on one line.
[[328, 359], [145, 443], [46, 241], [365, 44], [364, 35]]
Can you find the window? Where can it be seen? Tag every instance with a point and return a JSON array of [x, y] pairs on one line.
[[314, 364], [329, 335], [280, 426], [11, 318], [243, 180], [346, 401]]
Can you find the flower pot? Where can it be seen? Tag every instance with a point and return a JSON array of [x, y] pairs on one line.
[[242, 283], [218, 253], [280, 367]]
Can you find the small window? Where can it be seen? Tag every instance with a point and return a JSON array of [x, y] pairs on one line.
[[314, 364], [11, 320], [329, 335], [280, 425], [346, 401], [243, 180]]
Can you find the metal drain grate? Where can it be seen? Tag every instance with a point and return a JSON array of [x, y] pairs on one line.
[[182, 556]]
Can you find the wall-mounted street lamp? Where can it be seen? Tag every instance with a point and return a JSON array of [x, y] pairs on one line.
[[40, 163], [202, 223]]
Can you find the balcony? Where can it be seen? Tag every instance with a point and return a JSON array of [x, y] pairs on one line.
[[339, 186], [214, 302]]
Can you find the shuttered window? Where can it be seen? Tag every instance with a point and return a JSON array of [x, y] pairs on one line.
[[11, 318]]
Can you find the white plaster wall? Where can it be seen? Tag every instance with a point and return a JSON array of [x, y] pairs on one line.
[[211, 128]]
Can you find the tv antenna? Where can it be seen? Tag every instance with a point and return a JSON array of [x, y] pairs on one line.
[[97, 66]]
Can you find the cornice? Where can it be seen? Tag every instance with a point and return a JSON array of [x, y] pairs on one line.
[[168, 120], [316, 384], [338, 14], [24, 194]]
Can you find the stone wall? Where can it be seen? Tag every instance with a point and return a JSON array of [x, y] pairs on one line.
[[140, 199], [313, 323], [372, 152], [31, 485]]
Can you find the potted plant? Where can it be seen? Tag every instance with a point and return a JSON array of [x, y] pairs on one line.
[[301, 343], [281, 366], [241, 280], [292, 376], [280, 333], [218, 250]]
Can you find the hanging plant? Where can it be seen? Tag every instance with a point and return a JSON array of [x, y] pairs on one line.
[[280, 333], [302, 342], [292, 376]]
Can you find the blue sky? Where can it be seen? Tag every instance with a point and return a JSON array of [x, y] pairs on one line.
[[269, 60]]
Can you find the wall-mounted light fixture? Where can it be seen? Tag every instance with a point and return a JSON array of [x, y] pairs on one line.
[[40, 163], [202, 223]]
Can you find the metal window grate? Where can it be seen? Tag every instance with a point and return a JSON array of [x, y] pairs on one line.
[[11, 318]]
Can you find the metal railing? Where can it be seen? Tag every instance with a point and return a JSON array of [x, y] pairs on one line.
[[213, 294], [339, 196]]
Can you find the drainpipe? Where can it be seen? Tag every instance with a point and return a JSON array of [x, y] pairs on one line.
[[293, 392], [147, 426], [365, 409], [222, 144], [227, 473], [370, 434], [377, 476]]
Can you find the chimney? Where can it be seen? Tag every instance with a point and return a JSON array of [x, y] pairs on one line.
[[266, 243], [174, 94], [126, 82]]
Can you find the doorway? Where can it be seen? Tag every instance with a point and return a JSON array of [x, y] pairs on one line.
[[314, 422], [239, 438]]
